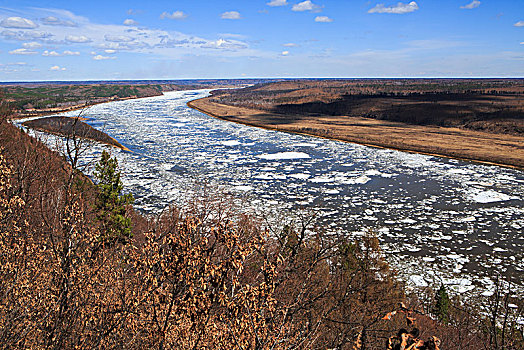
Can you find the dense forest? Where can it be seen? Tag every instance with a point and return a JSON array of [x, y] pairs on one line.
[[81, 269]]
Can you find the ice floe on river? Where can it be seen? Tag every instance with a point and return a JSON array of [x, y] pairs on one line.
[[284, 156], [490, 197]]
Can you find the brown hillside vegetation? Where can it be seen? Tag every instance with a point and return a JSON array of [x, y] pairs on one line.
[[206, 276]]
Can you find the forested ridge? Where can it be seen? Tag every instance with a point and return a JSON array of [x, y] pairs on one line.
[[491, 105], [81, 269]]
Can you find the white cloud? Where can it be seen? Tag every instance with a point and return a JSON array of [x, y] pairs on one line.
[[22, 52], [290, 45], [230, 15], [306, 6], [18, 22], [118, 38], [55, 21], [100, 58], [25, 35], [13, 67], [109, 51], [323, 19], [57, 68], [285, 53], [71, 53], [32, 45], [399, 8], [277, 3], [57, 54], [472, 5], [50, 53], [81, 39], [174, 15], [130, 22], [519, 24], [225, 44]]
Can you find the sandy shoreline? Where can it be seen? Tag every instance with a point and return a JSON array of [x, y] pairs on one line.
[[492, 149]]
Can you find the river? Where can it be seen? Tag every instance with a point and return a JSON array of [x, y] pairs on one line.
[[438, 219]]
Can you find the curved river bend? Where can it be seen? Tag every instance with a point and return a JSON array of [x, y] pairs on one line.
[[447, 220]]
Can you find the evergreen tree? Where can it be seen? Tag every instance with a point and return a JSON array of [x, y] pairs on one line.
[[442, 304], [111, 202]]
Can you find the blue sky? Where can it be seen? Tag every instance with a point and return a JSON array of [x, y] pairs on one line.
[[113, 39]]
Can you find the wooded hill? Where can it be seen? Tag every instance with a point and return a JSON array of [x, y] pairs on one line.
[[492, 105]]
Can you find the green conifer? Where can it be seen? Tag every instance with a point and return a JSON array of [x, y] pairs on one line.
[[442, 304], [111, 203]]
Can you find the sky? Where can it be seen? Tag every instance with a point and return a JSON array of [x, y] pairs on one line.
[[184, 39]]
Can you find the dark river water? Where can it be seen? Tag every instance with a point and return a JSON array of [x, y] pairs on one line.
[[442, 220]]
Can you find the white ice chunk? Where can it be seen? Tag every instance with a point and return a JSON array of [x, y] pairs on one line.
[[231, 143], [243, 188], [322, 179], [361, 180], [304, 144], [459, 171], [284, 155], [300, 176], [372, 172], [489, 197], [418, 281]]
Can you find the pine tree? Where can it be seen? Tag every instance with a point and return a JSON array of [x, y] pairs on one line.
[[442, 303], [111, 203]]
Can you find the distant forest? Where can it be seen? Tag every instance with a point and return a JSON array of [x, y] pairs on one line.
[[483, 104]]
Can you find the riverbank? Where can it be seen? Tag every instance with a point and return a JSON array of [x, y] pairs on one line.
[[69, 127], [497, 149]]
